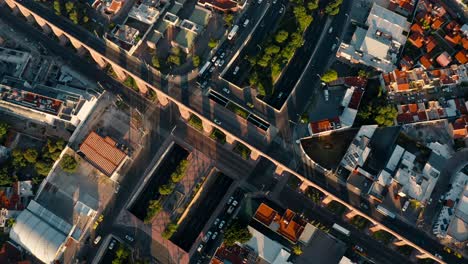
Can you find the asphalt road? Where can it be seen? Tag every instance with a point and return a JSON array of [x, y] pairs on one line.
[[134, 99], [300, 204]]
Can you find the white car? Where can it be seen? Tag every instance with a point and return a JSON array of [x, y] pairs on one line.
[[222, 55], [200, 248], [274, 1], [214, 59], [216, 222], [281, 10], [234, 203], [207, 236], [112, 244], [226, 90], [214, 235], [221, 63], [212, 69], [129, 238], [217, 121], [98, 238], [246, 22], [330, 30], [218, 61], [333, 47], [236, 70], [260, 1], [230, 200], [405, 206], [222, 224], [326, 94]]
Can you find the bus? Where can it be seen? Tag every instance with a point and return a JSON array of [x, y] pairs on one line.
[[341, 229], [385, 212], [233, 32], [204, 68]]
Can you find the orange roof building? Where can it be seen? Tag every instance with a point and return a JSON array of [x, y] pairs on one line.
[[102, 153], [430, 43], [437, 23], [416, 39], [462, 57], [286, 225]]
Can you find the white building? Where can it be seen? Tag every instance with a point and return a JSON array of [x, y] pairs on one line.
[[377, 45], [269, 250], [453, 218]]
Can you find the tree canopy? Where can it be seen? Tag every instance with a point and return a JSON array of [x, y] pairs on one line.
[[236, 233], [68, 163], [281, 36], [3, 129], [329, 76]]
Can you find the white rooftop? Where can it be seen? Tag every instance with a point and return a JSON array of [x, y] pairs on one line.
[[40, 232], [389, 22], [269, 250]]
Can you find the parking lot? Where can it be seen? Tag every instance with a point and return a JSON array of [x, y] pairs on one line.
[[200, 212]]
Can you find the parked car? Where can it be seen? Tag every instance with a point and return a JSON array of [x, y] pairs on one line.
[[212, 69], [330, 30], [217, 62], [214, 235], [234, 203], [221, 63], [226, 90], [207, 236], [405, 206], [230, 209], [326, 94], [236, 70], [129, 238], [217, 121], [222, 224], [214, 59], [280, 95], [246, 22], [222, 55], [260, 1], [230, 200], [97, 239], [112, 244], [281, 10], [200, 248], [358, 248], [216, 222]]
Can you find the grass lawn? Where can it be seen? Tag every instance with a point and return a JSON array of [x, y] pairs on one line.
[[238, 110]]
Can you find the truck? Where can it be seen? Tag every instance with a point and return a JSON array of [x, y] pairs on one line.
[[341, 229], [233, 32], [385, 212]]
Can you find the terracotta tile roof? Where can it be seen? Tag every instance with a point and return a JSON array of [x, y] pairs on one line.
[[416, 39], [417, 28], [452, 26], [430, 44], [425, 61], [437, 23], [265, 214], [465, 43], [460, 127], [453, 39], [115, 6], [413, 108], [462, 57], [422, 116], [102, 152]]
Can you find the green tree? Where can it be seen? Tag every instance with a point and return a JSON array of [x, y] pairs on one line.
[[166, 189], [312, 5], [3, 129], [196, 61], [236, 233], [69, 6], [30, 155], [272, 49], [264, 61], [18, 158], [385, 115], [57, 8], [297, 250], [6, 178], [296, 40], [10, 222], [212, 43], [174, 59], [228, 19], [281, 36], [155, 62], [68, 163], [74, 17], [171, 228], [302, 18], [275, 70], [42, 168], [329, 76], [363, 74]]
